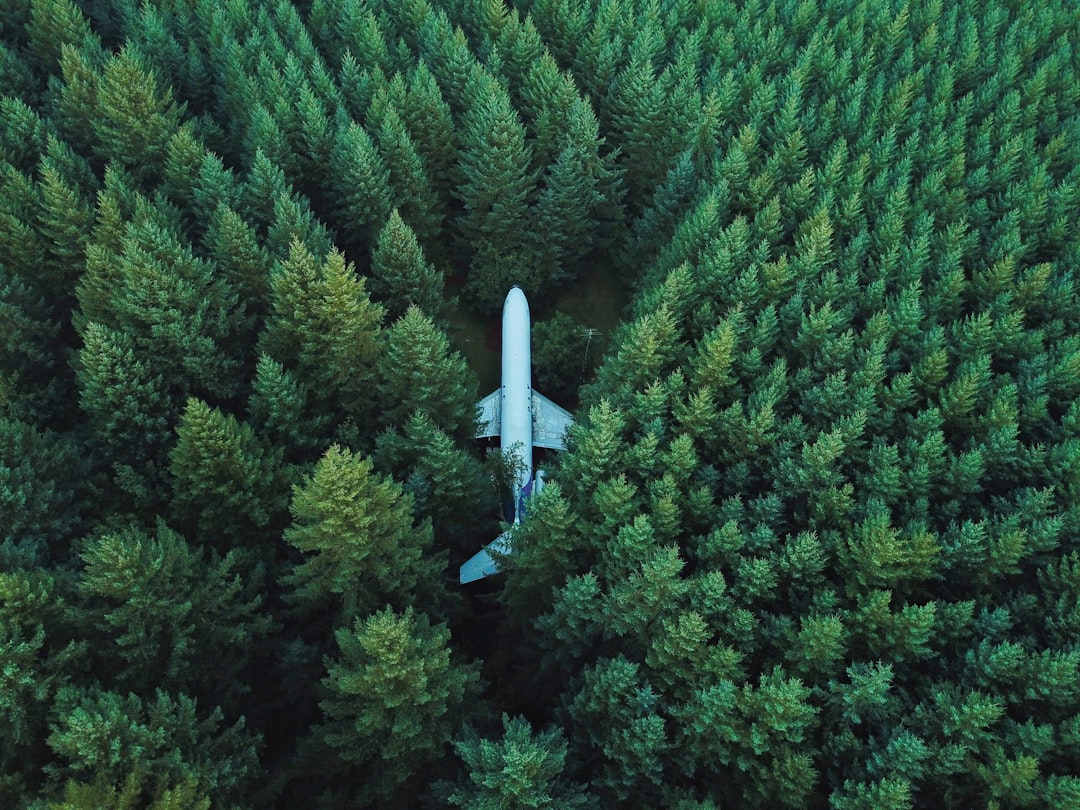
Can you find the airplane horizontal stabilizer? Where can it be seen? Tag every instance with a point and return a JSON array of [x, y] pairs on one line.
[[482, 564]]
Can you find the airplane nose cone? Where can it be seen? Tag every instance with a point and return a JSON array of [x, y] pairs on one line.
[[516, 299]]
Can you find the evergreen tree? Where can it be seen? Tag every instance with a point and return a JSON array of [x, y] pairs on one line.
[[281, 407], [38, 656], [419, 372], [400, 275], [323, 325], [51, 25], [516, 771], [170, 616], [495, 191], [446, 482], [431, 125], [563, 356], [107, 739], [227, 484], [395, 700], [567, 208], [131, 408], [363, 186], [134, 121], [363, 547], [42, 485], [413, 194]]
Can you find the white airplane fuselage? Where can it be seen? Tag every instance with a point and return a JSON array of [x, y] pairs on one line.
[[516, 403]]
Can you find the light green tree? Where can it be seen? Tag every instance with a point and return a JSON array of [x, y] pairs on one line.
[[396, 698]]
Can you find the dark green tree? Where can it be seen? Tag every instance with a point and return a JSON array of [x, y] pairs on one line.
[[101, 737], [520, 770], [420, 371], [172, 616], [363, 187], [564, 355], [42, 489], [496, 187], [134, 120], [400, 275], [323, 327], [228, 485], [445, 480]]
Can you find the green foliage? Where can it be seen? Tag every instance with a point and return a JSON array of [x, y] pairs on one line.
[[495, 190], [445, 480], [173, 616], [400, 275], [323, 325], [134, 121], [420, 372], [358, 532], [41, 480], [563, 355], [518, 771], [813, 541], [103, 796], [395, 699], [227, 483], [107, 739]]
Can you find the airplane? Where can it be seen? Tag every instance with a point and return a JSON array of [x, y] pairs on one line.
[[522, 419]]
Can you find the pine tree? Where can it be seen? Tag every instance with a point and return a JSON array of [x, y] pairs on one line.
[[400, 275], [135, 121], [53, 24], [363, 547], [363, 186], [431, 125], [446, 482], [567, 208], [413, 193], [102, 737], [132, 409], [42, 478], [170, 616], [617, 712], [563, 356], [227, 483], [282, 408], [519, 770], [232, 243], [38, 655], [176, 308], [495, 191], [65, 222], [323, 326], [419, 372], [395, 699]]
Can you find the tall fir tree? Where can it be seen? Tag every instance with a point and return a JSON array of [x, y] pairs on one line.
[[497, 184], [363, 547], [401, 276], [420, 372], [395, 699]]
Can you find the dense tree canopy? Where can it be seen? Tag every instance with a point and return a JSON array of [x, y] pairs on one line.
[[814, 541]]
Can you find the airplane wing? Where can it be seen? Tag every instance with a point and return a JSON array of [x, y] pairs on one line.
[[488, 418], [482, 564], [550, 423]]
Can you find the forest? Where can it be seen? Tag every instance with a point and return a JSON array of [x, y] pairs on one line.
[[815, 540]]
